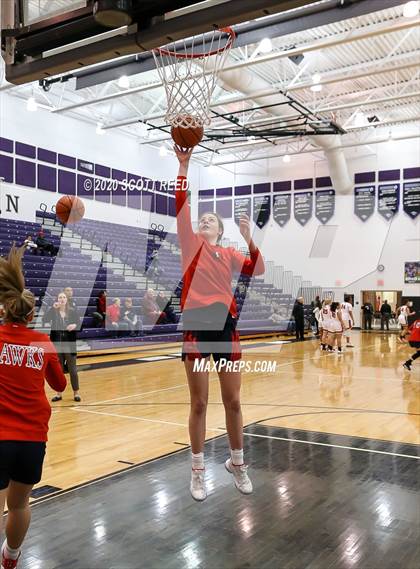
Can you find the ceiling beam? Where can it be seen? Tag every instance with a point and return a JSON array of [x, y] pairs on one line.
[[312, 150], [324, 44]]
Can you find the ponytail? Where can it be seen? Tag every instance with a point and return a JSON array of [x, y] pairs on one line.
[[18, 302]]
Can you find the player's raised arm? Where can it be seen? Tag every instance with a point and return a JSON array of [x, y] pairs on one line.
[[183, 212]]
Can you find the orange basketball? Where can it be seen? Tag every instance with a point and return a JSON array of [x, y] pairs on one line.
[[69, 209], [187, 137]]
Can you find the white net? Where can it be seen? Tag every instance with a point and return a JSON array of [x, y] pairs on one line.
[[189, 71]]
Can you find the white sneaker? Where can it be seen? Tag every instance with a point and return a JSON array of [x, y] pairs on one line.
[[242, 481], [198, 485]]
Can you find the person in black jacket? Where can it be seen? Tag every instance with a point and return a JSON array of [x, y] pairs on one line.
[[43, 245], [298, 315], [368, 314], [385, 315], [64, 322]]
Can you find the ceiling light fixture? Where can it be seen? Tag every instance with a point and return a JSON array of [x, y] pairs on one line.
[[411, 9], [124, 82], [265, 46], [316, 88]]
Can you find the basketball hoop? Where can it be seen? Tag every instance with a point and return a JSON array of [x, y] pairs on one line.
[[189, 72]]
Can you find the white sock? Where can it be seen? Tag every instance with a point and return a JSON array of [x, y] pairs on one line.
[[237, 457], [198, 461], [10, 553]]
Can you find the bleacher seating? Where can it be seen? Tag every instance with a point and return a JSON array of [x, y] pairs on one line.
[[141, 251]]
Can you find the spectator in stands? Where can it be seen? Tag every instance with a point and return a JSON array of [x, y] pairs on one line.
[[154, 271], [30, 245], [130, 317], [43, 245], [385, 315], [68, 291], [368, 314], [276, 316], [151, 311], [1, 314], [64, 322], [166, 307], [113, 314], [100, 314], [299, 316]]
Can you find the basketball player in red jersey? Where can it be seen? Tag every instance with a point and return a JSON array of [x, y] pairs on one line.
[[27, 358], [414, 341], [209, 319]]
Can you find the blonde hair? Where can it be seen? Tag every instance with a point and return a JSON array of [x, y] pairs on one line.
[[18, 302]]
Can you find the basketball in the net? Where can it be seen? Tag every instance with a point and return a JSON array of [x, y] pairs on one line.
[[187, 137], [69, 209]]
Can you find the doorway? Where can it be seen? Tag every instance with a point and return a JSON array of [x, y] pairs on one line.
[[376, 298]]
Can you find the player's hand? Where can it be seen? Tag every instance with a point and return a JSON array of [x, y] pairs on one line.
[[183, 154], [245, 227], [56, 305]]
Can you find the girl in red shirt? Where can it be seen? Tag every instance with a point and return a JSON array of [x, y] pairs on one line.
[[414, 341], [27, 358], [209, 320]]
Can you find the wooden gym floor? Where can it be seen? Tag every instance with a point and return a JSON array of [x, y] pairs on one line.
[[135, 405]]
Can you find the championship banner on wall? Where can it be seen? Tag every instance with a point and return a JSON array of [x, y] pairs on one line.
[[411, 198], [303, 206], [241, 206], [324, 205], [388, 200], [262, 210], [282, 208], [364, 202]]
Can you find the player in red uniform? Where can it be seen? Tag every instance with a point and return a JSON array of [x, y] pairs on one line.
[[27, 358], [209, 319], [414, 341]]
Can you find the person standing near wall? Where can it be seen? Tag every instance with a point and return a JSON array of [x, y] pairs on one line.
[[367, 315], [299, 316], [385, 315], [64, 321]]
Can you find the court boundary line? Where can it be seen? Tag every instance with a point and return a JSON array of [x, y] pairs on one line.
[[345, 447], [161, 421], [317, 356], [221, 430], [292, 405], [388, 441], [169, 454]]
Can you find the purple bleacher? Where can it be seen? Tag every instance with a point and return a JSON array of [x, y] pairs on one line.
[[134, 247]]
